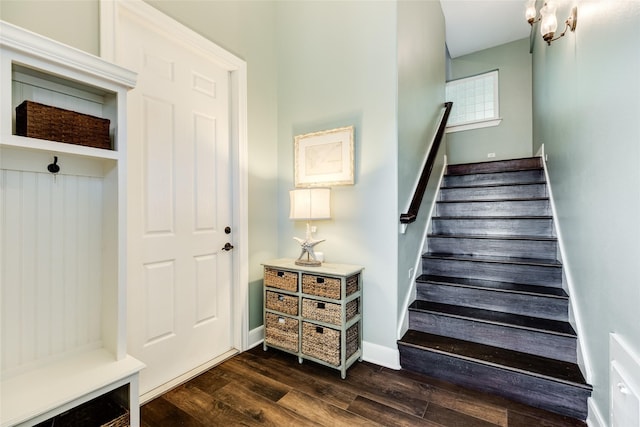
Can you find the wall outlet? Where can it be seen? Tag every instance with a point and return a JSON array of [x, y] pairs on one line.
[[314, 229], [410, 272], [491, 155]]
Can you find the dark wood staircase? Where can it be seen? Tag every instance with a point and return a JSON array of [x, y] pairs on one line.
[[490, 311]]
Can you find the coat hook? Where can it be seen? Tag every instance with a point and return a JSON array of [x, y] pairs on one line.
[[53, 167]]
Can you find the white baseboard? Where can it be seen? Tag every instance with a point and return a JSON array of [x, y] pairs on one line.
[[381, 355], [594, 419], [256, 336]]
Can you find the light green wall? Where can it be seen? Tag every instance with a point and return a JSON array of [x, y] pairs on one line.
[[421, 76], [586, 95], [75, 23], [512, 138], [337, 67]]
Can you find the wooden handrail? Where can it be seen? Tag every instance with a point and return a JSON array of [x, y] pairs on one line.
[[414, 207]]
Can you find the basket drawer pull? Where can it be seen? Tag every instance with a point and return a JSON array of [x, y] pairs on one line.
[[320, 305], [281, 320], [319, 330], [280, 297], [319, 279], [280, 273]]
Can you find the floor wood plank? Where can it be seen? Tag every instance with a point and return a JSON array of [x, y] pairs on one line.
[[258, 388], [386, 415], [205, 408], [261, 409], [324, 413], [286, 370], [451, 417], [363, 379]]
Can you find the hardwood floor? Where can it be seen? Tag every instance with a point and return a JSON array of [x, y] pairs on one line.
[[272, 388]]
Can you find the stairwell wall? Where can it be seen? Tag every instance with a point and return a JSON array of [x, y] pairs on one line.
[[511, 139], [586, 95], [421, 76]]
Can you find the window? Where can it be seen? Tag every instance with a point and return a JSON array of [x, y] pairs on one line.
[[475, 102]]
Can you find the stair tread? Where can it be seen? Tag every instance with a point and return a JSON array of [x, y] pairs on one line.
[[495, 237], [509, 171], [494, 259], [495, 166], [494, 286], [505, 319], [524, 199], [481, 185], [457, 218], [539, 366]]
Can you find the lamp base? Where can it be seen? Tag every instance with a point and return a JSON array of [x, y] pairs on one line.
[[308, 262]]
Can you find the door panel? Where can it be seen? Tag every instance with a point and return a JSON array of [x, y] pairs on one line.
[[179, 204]]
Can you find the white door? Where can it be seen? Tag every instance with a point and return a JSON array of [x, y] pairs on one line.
[[179, 276]]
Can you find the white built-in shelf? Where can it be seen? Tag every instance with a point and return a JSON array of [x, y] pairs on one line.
[[63, 246], [56, 148], [42, 393]]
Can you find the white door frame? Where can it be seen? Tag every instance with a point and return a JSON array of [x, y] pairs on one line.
[[110, 11]]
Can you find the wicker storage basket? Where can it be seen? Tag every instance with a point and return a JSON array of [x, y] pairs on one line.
[[328, 287], [324, 343], [280, 279], [353, 284], [283, 303], [281, 331], [56, 124], [328, 312], [99, 412]]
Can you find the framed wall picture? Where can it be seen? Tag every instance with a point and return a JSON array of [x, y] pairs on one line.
[[324, 159]]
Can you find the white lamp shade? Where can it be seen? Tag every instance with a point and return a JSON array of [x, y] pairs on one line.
[[310, 203]]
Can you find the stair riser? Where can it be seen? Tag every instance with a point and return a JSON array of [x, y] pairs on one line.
[[552, 396], [495, 227], [495, 193], [499, 272], [497, 166], [528, 341], [498, 208], [540, 249], [520, 177], [488, 299]]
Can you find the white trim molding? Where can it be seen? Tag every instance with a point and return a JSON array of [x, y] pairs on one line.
[[381, 355], [256, 337], [473, 125], [583, 356]]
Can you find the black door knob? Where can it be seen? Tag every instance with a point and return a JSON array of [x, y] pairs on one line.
[[227, 247]]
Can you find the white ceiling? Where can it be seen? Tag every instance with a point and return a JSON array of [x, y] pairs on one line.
[[474, 25]]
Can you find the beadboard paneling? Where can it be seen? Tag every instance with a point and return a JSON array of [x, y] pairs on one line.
[[51, 266]]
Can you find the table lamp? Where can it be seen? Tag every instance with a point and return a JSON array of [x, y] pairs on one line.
[[309, 204]]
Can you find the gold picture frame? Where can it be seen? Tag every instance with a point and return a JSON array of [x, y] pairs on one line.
[[324, 159]]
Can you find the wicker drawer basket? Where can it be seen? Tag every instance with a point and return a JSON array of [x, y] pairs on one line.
[[99, 412], [328, 312], [285, 280], [324, 343], [56, 124], [283, 303], [328, 287], [281, 331]]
